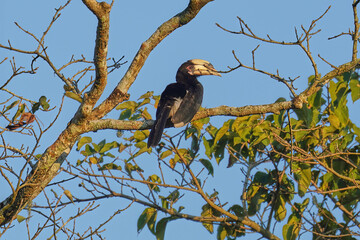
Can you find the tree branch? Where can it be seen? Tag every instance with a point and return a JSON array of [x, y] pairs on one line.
[[102, 12], [49, 164], [355, 34], [120, 92]]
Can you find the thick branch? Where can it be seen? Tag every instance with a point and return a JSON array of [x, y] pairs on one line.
[[102, 12], [49, 164], [355, 34], [296, 103], [203, 113], [145, 49]]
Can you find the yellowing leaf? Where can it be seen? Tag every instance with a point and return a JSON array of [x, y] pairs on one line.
[[93, 160], [355, 89], [280, 212], [83, 141], [69, 195], [73, 96], [221, 132], [165, 154], [20, 218]]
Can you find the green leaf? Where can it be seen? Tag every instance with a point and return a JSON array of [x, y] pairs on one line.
[[93, 160], [13, 104], [207, 164], [148, 216], [146, 95], [125, 114], [355, 89], [131, 105], [208, 211], [334, 121], [209, 227], [140, 135], [82, 141], [220, 150], [160, 228], [101, 144], [109, 146], [142, 148], [144, 102], [152, 219], [35, 107], [96, 147], [142, 220], [221, 232], [146, 115], [303, 176], [154, 178], [280, 212], [305, 114], [315, 100], [255, 197], [289, 232], [129, 168], [342, 112], [207, 145], [222, 131], [45, 105], [165, 154], [194, 146], [237, 209], [262, 177], [337, 91], [20, 218], [88, 151], [73, 96], [19, 111], [110, 166]]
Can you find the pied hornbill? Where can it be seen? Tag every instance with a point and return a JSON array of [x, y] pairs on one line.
[[180, 101]]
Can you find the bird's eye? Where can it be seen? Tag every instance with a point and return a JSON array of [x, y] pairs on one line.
[[190, 68]]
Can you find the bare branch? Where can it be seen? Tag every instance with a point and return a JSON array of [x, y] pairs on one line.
[[355, 34]]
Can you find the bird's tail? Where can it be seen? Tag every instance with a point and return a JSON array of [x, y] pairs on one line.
[[158, 127]]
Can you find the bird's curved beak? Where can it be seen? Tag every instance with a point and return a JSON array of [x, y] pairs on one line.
[[203, 69]]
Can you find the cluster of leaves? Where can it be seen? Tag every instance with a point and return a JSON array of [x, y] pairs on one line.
[[315, 148], [149, 216], [318, 146], [94, 153], [132, 110], [311, 148]]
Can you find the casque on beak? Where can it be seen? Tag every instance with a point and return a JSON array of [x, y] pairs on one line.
[[202, 67]]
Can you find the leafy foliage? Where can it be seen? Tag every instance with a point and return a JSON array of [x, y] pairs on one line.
[[310, 151], [295, 170], [318, 156]]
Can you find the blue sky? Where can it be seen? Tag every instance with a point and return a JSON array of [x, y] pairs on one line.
[[132, 22]]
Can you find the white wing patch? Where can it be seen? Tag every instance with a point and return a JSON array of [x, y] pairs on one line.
[[175, 107], [180, 124]]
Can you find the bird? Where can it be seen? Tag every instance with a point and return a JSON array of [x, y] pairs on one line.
[[180, 101]]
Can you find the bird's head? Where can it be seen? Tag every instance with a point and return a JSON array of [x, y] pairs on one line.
[[198, 67]]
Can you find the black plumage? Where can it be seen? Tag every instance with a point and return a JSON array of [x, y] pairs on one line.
[[180, 101]]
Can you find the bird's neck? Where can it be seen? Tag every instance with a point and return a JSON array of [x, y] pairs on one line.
[[186, 78]]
